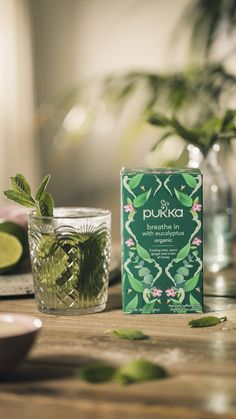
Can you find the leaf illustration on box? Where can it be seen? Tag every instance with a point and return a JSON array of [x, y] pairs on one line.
[[181, 295], [132, 305], [136, 284], [183, 198], [146, 295], [191, 283], [148, 279], [195, 304], [187, 264], [135, 181], [143, 253], [190, 180], [183, 253], [141, 199], [179, 279], [183, 271], [131, 216], [144, 271]]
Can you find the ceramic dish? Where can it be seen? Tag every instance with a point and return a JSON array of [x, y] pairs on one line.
[[17, 335]]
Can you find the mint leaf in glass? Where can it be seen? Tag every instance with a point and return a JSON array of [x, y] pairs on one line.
[[42, 187], [20, 184], [20, 198], [46, 204], [21, 193]]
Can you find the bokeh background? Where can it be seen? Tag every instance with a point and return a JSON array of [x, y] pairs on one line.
[[71, 103]]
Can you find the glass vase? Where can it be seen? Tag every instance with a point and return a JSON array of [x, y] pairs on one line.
[[70, 255], [217, 193]]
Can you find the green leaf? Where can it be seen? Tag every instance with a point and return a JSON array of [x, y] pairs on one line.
[[207, 321], [146, 295], [140, 200], [184, 199], [129, 202], [144, 271], [20, 184], [148, 279], [132, 305], [190, 180], [178, 278], [143, 253], [195, 304], [187, 264], [42, 187], [191, 283], [183, 271], [138, 371], [96, 373], [183, 253], [21, 194], [20, 198], [136, 284], [135, 181], [181, 295], [130, 334], [131, 216], [46, 205]]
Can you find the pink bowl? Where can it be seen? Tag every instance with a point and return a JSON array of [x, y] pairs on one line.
[[15, 345]]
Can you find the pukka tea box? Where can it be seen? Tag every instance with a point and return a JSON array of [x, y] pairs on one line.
[[162, 249]]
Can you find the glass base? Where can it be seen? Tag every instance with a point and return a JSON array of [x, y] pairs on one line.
[[71, 311]]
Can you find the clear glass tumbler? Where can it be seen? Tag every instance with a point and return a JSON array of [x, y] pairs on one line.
[[70, 256]]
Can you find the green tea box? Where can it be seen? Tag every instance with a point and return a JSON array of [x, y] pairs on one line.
[[161, 223]]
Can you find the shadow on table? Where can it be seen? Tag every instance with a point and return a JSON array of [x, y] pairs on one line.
[[50, 367], [114, 301]]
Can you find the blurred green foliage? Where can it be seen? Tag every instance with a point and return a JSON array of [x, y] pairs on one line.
[[198, 97]]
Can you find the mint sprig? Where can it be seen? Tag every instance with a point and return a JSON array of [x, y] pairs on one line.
[[21, 193]]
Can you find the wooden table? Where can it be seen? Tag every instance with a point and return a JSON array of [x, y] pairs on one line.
[[201, 365]]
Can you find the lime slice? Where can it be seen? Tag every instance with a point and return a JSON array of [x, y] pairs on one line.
[[10, 251], [15, 230]]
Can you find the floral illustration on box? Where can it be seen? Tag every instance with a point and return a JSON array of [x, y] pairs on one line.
[[142, 272]]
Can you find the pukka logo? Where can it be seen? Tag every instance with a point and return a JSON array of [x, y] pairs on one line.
[[163, 212]]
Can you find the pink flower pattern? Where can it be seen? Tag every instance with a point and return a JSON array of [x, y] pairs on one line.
[[196, 241], [129, 242], [170, 292], [196, 207], [129, 208], [156, 292]]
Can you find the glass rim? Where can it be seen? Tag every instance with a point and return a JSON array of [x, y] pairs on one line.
[[72, 213]]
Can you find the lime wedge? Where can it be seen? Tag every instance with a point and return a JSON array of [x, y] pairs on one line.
[[10, 251], [16, 230]]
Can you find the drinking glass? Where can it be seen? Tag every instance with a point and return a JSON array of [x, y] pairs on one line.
[[70, 256]]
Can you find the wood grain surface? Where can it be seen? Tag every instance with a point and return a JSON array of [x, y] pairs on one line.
[[201, 365]]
